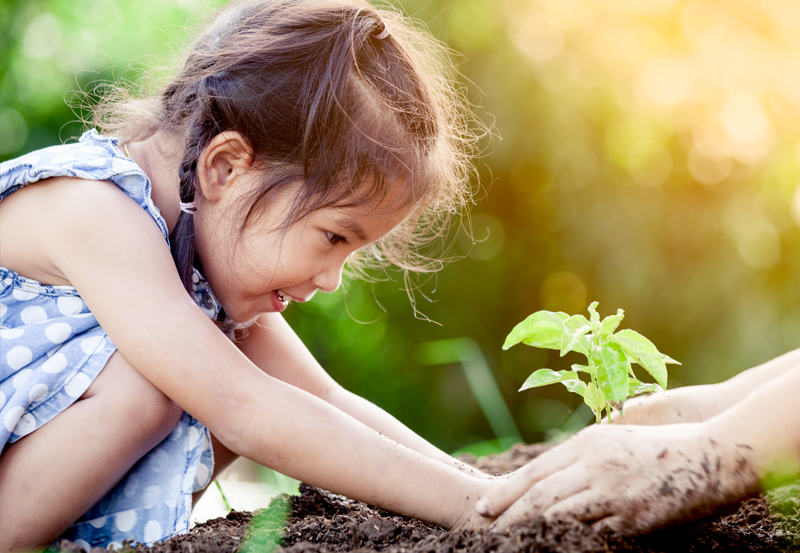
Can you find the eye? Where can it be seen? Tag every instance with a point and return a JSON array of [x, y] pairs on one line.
[[335, 238]]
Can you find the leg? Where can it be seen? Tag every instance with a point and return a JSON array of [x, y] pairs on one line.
[[51, 477]]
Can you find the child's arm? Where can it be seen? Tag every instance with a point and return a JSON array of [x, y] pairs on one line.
[[699, 403], [100, 241], [275, 348]]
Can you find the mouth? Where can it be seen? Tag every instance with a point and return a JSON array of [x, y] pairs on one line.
[[283, 297]]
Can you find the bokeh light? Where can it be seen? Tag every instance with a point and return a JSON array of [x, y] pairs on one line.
[[645, 154]]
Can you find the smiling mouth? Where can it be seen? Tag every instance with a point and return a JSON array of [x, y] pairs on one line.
[[284, 299]]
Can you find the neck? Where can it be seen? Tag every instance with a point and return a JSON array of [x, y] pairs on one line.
[[159, 159]]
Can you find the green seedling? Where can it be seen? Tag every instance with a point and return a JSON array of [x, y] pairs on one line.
[[609, 356]]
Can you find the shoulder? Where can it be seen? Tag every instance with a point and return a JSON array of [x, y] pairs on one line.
[[65, 216]]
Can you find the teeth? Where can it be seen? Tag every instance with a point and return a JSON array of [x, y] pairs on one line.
[[281, 297]]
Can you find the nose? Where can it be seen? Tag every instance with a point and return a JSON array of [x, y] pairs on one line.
[[329, 278]]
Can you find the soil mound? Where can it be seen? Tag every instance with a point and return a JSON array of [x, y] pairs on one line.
[[318, 521]]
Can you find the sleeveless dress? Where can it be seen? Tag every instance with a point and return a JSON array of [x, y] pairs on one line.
[[52, 348]]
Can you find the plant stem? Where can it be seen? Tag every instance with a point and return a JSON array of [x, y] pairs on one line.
[[224, 499]]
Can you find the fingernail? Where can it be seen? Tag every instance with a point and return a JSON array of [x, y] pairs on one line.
[[484, 507], [493, 526]]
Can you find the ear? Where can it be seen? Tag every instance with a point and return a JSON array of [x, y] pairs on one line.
[[222, 163]]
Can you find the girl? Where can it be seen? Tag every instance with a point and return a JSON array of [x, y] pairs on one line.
[[297, 135]]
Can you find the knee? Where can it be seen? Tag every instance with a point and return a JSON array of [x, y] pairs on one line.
[[154, 411], [136, 402]]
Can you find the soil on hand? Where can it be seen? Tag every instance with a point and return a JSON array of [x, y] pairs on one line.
[[319, 522]]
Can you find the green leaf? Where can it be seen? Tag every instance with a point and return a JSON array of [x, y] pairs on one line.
[[612, 374], [585, 368], [594, 398], [611, 322], [637, 388], [642, 351], [543, 377], [646, 389], [574, 335], [542, 330], [576, 386], [669, 360], [594, 316]]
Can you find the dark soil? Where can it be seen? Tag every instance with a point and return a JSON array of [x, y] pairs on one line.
[[320, 522]]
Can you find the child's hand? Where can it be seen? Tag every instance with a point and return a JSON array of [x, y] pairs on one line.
[[630, 479], [469, 518], [688, 404]]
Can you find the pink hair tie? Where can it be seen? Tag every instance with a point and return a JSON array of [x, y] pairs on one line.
[[189, 208], [383, 34]]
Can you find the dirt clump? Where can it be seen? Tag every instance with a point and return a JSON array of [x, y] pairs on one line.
[[318, 521]]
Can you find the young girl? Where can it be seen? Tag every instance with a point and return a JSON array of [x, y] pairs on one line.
[[296, 134]]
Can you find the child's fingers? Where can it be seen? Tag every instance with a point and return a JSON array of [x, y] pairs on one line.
[[543, 497], [504, 495]]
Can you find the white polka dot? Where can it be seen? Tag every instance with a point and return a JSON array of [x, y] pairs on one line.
[[2, 399], [55, 364], [151, 495], [131, 485], [58, 332], [152, 531], [63, 158], [194, 436], [21, 378], [80, 316], [83, 544], [12, 418], [18, 357], [24, 295], [3, 310], [78, 384], [158, 460], [177, 432], [98, 522], [125, 520], [38, 393], [121, 166], [32, 315], [171, 503], [11, 333], [26, 425], [69, 305], [92, 344], [202, 475], [97, 162]]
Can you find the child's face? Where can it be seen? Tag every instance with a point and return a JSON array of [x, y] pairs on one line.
[[265, 268]]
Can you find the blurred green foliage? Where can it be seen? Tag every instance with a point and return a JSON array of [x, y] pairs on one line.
[[646, 155]]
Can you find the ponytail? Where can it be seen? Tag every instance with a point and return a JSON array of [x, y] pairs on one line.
[[204, 125]]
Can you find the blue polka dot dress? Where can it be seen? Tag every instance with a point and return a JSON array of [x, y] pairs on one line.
[[52, 348]]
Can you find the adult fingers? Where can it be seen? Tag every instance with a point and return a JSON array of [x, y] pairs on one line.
[[543, 496], [583, 505], [506, 493], [619, 524]]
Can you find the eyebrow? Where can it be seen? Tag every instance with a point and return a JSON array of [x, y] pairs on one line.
[[353, 227]]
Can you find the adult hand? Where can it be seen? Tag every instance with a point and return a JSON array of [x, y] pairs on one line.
[[628, 478], [687, 404]]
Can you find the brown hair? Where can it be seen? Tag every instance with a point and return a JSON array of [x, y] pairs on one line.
[[327, 98]]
